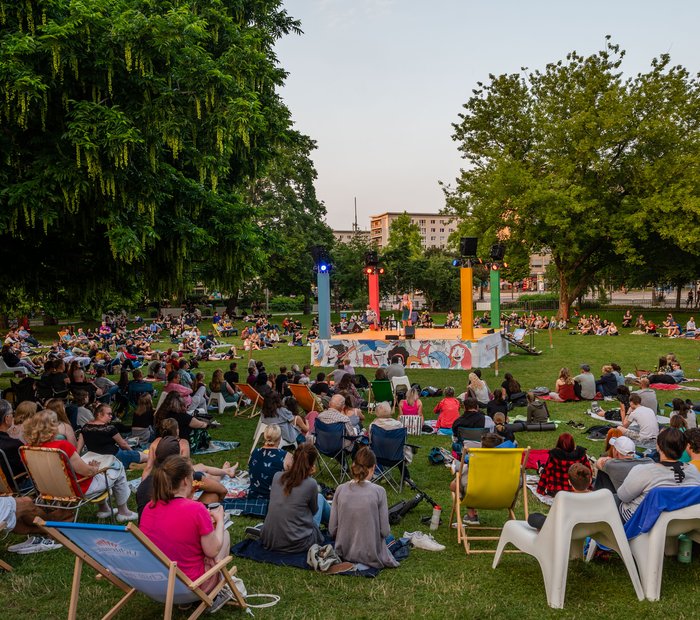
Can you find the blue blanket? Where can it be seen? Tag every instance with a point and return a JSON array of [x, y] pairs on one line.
[[253, 550], [661, 499]]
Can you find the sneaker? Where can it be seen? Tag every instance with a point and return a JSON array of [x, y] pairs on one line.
[[40, 545], [421, 540], [131, 516], [467, 520], [31, 540], [106, 514], [223, 597], [254, 532]]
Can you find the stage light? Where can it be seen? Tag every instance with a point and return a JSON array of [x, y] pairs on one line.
[[321, 258], [323, 268], [381, 270], [497, 251], [505, 265], [369, 271], [494, 267], [456, 263]]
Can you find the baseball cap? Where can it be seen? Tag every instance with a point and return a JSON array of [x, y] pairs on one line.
[[624, 445], [586, 367]]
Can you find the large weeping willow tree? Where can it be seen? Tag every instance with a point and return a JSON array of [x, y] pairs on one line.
[[129, 132]]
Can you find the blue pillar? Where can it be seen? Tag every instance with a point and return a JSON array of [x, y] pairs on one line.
[[324, 305]]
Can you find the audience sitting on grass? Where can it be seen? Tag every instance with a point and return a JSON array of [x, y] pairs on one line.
[[42, 429], [411, 404], [685, 412], [142, 427], [554, 474], [274, 412], [447, 411], [183, 529], [671, 374], [174, 406], [296, 508], [471, 418], [579, 481], [102, 437], [564, 386], [647, 394], [668, 472], [613, 468], [359, 519], [497, 405], [511, 386], [584, 384], [537, 412], [640, 423]]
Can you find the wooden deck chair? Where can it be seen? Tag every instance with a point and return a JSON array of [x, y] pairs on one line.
[[124, 557], [253, 396], [494, 479], [161, 398], [380, 391], [305, 397], [56, 483], [9, 482]]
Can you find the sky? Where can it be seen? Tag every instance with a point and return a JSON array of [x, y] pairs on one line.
[[379, 83]]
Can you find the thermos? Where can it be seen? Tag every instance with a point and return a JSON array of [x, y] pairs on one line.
[[685, 549], [435, 519]]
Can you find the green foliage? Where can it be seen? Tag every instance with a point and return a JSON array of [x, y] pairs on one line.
[[534, 297], [286, 304], [575, 161], [405, 236], [347, 276]]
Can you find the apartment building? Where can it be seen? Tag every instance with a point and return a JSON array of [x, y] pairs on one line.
[[434, 229], [346, 236]]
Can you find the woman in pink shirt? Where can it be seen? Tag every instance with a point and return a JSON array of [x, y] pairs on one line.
[[448, 411], [183, 529]]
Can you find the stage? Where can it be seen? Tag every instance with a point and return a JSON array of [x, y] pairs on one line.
[[431, 348]]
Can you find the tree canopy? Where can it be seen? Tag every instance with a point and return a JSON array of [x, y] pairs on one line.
[[580, 162], [132, 133]]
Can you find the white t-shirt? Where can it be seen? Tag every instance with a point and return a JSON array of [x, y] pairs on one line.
[[645, 418]]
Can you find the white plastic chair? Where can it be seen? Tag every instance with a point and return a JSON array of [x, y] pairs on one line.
[[259, 430], [4, 369], [216, 399], [397, 382], [572, 518]]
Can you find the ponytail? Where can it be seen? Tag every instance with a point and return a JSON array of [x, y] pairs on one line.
[[363, 462], [303, 464], [168, 476]]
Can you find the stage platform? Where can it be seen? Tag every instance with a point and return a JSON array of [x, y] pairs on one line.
[[431, 348]]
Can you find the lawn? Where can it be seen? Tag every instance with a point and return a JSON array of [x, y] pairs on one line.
[[432, 585]]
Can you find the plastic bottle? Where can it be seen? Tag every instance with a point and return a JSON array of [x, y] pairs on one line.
[[435, 519], [685, 549]]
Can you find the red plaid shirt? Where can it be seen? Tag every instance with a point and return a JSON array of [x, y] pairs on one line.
[[555, 476]]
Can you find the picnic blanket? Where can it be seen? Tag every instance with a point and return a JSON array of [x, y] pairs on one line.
[[216, 445], [522, 418], [555, 399], [665, 386], [531, 482], [254, 550], [659, 418]]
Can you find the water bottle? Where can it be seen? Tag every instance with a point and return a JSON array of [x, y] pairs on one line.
[[435, 519], [594, 406], [685, 549]]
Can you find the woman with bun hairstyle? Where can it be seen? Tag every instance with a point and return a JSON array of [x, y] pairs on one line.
[[360, 516]]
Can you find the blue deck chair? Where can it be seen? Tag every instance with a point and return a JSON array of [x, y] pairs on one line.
[[330, 443], [131, 562], [388, 447], [136, 389]]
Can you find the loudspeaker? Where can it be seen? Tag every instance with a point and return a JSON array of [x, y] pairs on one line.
[[391, 337], [498, 251], [371, 258], [467, 246], [410, 332]]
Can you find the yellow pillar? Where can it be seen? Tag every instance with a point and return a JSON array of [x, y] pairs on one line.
[[466, 279]]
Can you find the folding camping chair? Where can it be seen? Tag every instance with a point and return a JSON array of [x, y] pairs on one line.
[[330, 443], [494, 480], [253, 396], [388, 446], [305, 397], [379, 392], [56, 483], [127, 559]]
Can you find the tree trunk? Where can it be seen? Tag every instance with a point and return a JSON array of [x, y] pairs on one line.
[[50, 320], [564, 298], [4, 321], [679, 292]]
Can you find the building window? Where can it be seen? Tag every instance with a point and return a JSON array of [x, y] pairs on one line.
[[432, 221], [432, 238]]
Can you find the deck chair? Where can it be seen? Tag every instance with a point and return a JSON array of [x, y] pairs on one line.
[[253, 396], [572, 518], [219, 403], [379, 392], [5, 369], [9, 482], [56, 483], [678, 512], [305, 397], [388, 447], [330, 443], [123, 556], [161, 398], [494, 480]]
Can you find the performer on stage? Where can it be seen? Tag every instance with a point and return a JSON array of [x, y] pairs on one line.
[[406, 309]]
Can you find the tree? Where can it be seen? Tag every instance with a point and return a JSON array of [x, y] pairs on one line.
[[404, 235], [348, 276], [558, 161], [438, 280], [129, 132]]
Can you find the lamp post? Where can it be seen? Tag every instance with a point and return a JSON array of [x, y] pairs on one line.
[[322, 267]]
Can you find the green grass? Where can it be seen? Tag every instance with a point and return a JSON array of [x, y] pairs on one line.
[[431, 585]]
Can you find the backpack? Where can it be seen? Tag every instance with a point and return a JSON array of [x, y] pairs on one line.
[[435, 457]]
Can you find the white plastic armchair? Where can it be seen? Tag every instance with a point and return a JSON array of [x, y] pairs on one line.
[[572, 518]]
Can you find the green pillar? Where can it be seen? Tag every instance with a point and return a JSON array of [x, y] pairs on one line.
[[495, 298]]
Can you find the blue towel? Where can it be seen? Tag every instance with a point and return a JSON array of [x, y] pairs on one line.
[[661, 499]]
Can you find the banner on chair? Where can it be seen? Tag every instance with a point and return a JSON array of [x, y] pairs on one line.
[[444, 354]]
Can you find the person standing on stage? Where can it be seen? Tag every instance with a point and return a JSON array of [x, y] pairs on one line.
[[406, 309]]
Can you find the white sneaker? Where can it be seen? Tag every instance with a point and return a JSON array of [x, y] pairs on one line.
[[132, 516], [25, 543], [40, 545], [106, 514], [421, 540]]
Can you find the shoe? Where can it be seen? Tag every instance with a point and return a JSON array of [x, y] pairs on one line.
[[106, 514], [131, 516], [215, 424], [421, 540], [467, 520], [223, 597], [31, 540], [39, 545], [254, 532]]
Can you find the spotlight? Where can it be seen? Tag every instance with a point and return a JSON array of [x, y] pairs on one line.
[[381, 271], [467, 246], [369, 270], [323, 268], [321, 258], [456, 262], [494, 267], [498, 251]]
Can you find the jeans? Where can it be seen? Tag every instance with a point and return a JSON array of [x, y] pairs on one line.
[[323, 514], [127, 457]]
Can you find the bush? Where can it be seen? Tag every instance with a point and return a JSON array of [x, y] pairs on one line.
[[286, 304], [539, 297], [589, 305]]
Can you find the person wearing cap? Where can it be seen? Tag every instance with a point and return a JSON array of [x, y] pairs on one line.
[[586, 383], [612, 470]]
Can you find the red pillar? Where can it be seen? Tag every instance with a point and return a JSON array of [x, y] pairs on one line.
[[373, 282]]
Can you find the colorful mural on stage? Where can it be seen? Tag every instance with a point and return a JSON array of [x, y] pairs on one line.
[[445, 354]]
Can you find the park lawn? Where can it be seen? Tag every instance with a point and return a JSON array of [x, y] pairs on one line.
[[431, 585]]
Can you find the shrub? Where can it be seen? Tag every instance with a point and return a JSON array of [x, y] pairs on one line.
[[534, 297], [286, 304]]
